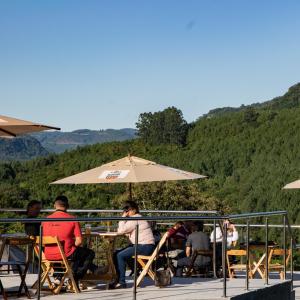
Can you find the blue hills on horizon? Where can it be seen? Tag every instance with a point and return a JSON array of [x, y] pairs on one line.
[[42, 143]]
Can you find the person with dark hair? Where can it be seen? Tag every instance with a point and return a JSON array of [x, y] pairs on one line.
[[69, 233], [177, 235], [197, 240], [232, 238], [145, 241], [32, 211]]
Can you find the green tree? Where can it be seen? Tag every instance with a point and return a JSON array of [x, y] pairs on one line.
[[163, 127]]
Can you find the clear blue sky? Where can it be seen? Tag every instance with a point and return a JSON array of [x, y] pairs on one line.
[[99, 64]]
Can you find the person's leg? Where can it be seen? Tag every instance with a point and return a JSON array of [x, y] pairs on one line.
[[122, 258], [181, 263], [82, 259], [145, 249], [115, 260], [126, 255]]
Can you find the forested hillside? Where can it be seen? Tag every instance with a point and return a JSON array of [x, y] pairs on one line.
[[21, 148], [248, 154]]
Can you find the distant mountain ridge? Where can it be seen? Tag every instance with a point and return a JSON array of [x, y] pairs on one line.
[[60, 141], [42, 143]]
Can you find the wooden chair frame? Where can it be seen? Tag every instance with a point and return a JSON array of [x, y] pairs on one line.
[[207, 253], [277, 266], [147, 261], [232, 267], [49, 265]]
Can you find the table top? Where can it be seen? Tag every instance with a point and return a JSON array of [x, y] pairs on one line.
[[259, 244], [103, 234], [14, 236]]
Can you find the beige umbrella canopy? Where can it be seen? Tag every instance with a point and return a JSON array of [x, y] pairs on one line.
[[11, 127], [293, 185], [130, 169]]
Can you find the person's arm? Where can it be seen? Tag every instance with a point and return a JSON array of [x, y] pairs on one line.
[[78, 241], [232, 240], [77, 234], [171, 232], [188, 251], [126, 226], [188, 248], [235, 235]]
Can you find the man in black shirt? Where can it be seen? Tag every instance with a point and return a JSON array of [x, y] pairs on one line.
[[33, 209]]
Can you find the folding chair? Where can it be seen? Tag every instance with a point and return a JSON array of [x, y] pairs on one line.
[[59, 266], [2, 291], [146, 261], [276, 266], [196, 253], [239, 266]]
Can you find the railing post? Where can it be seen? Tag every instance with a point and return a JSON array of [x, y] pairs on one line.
[[135, 260], [267, 252], [284, 247], [214, 251], [247, 259], [40, 262], [224, 250], [292, 263]]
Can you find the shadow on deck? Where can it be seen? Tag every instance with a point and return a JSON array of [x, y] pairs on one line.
[[181, 288]]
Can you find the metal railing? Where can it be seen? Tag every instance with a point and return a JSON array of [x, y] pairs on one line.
[[212, 217], [210, 212]]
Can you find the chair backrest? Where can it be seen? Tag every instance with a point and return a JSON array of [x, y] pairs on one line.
[[152, 258], [208, 253], [160, 244], [51, 240], [279, 252], [236, 252]]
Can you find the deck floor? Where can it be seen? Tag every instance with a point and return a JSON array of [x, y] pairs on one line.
[[182, 288]]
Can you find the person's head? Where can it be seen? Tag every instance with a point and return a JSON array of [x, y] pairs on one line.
[[197, 226], [229, 224], [131, 208], [178, 224], [33, 208], [61, 202]]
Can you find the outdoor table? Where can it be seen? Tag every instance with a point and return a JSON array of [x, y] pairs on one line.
[[18, 239], [256, 260], [109, 239]]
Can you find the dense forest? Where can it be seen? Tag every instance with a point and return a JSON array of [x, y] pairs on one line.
[[248, 154]]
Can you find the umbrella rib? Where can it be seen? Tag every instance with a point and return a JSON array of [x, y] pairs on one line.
[[46, 126], [136, 180], [8, 132]]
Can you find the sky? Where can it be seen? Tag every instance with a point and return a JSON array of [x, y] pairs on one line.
[[99, 64]]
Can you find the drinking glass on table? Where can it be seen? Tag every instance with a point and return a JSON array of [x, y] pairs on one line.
[[88, 228], [108, 223]]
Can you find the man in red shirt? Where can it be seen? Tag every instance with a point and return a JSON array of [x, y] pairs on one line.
[[69, 234]]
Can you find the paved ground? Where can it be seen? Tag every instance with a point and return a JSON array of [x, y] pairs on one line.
[[182, 288]]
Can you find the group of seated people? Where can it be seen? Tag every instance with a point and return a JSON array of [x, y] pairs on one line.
[[189, 235]]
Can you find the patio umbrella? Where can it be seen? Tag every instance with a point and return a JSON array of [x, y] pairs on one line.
[[130, 169], [11, 127], [292, 185]]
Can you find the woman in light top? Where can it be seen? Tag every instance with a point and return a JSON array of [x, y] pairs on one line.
[[145, 241], [232, 234]]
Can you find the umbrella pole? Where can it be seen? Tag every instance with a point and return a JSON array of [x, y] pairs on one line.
[[130, 191]]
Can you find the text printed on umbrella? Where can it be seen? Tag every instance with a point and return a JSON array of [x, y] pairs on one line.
[[114, 174]]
